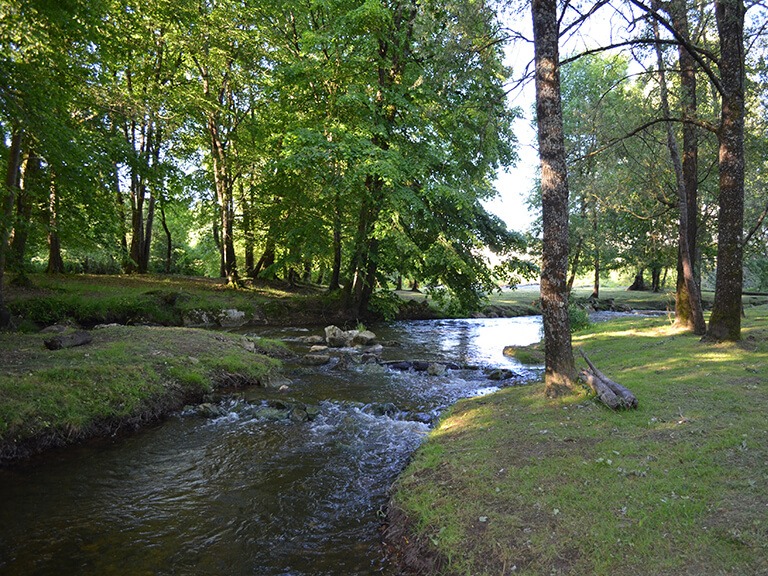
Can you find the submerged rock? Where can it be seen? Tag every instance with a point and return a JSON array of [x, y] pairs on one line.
[[275, 380], [436, 369], [210, 410], [364, 338], [316, 359]]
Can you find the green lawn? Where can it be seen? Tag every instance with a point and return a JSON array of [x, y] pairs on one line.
[[515, 483]]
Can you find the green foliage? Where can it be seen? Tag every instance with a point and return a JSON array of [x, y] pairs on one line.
[[578, 317], [385, 304]]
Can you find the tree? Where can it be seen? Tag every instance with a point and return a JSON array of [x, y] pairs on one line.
[[725, 320], [560, 370], [689, 294]]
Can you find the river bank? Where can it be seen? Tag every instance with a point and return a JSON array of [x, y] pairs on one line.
[[125, 378], [515, 483]]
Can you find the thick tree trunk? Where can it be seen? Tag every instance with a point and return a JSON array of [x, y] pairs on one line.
[[6, 217], [560, 370], [725, 320]]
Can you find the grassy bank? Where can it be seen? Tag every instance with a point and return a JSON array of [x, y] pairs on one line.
[[515, 483], [167, 300], [127, 376]]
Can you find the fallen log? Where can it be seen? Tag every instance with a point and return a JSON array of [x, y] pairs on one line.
[[625, 398], [604, 393], [69, 340]]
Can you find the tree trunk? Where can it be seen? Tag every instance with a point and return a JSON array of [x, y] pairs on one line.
[[656, 278], [639, 281], [29, 183], [6, 217], [267, 259], [691, 288], [138, 192], [168, 239], [685, 314], [124, 254], [725, 320], [146, 243], [334, 284], [246, 203], [596, 254], [574, 264], [560, 370], [223, 184], [55, 261]]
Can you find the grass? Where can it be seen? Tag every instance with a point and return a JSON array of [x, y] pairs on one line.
[[126, 376], [515, 483], [151, 298]]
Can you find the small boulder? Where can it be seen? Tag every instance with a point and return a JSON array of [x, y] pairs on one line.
[[436, 369], [335, 337], [501, 374], [316, 359], [364, 338]]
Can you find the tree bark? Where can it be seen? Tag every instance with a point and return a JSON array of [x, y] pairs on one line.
[[685, 315], [596, 255], [29, 182], [334, 284], [725, 320], [6, 217], [639, 282], [168, 239], [691, 289], [55, 261], [560, 370]]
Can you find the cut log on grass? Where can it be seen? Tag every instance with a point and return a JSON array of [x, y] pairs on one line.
[[624, 398], [69, 340], [604, 393]]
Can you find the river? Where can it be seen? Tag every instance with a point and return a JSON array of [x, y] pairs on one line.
[[242, 493]]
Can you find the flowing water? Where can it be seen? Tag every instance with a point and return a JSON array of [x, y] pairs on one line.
[[244, 493]]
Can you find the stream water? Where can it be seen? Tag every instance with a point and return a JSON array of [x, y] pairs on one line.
[[242, 493]]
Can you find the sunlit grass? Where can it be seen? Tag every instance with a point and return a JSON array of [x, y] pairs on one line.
[[125, 373], [522, 484]]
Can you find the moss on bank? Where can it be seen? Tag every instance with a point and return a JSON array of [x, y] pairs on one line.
[[127, 376], [515, 483]]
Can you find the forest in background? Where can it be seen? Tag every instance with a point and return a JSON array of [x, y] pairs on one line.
[[345, 143]]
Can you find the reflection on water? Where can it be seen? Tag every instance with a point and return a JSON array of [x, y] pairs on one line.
[[244, 494]]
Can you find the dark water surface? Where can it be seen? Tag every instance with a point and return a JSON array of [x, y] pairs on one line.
[[242, 494]]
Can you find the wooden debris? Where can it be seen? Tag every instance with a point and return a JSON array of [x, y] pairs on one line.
[[610, 393], [69, 340]]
